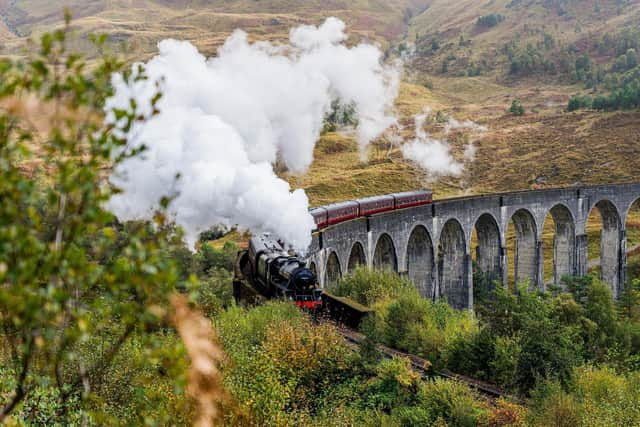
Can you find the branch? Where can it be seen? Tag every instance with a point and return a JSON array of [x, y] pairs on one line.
[[19, 393], [102, 364]]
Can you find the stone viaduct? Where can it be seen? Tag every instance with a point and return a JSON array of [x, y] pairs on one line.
[[431, 244]]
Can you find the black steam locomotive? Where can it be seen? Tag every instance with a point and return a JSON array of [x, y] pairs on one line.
[[268, 269]]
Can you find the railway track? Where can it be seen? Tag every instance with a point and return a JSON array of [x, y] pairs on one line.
[[423, 367]]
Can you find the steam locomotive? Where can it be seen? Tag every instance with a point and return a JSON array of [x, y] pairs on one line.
[[267, 268]]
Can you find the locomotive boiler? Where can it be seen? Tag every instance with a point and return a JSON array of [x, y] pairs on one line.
[[267, 268]]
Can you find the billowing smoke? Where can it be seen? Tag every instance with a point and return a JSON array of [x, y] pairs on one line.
[[434, 155], [225, 121], [453, 124]]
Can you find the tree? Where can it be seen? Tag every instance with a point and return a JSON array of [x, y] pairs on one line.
[[579, 102], [489, 21], [517, 109], [68, 278], [632, 59]]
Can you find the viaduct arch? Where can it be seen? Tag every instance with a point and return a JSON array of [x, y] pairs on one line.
[[432, 244]]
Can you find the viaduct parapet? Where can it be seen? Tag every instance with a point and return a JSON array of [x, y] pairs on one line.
[[431, 244]]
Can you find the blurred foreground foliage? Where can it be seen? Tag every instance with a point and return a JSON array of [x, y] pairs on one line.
[[84, 299]]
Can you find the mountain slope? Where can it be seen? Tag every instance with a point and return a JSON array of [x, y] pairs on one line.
[[142, 23]]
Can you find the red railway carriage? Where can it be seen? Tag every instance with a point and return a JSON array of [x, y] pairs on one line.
[[412, 198], [320, 217], [377, 204], [340, 212], [346, 211]]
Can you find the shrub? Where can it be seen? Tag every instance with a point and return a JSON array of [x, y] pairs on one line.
[[411, 323], [609, 398], [281, 368], [213, 233], [506, 413], [211, 258], [517, 109], [369, 287], [215, 292], [395, 384], [340, 115], [580, 102], [489, 21], [453, 402], [552, 406], [599, 396], [504, 364]]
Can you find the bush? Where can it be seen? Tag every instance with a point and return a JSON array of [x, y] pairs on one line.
[[417, 325], [552, 406], [506, 413], [517, 109], [452, 402], [215, 292], [213, 233], [504, 364], [489, 21], [340, 115], [369, 287], [599, 396], [580, 102], [211, 259], [282, 368]]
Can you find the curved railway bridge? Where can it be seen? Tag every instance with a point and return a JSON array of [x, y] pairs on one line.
[[432, 244]]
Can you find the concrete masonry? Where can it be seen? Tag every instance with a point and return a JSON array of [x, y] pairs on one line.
[[431, 244]]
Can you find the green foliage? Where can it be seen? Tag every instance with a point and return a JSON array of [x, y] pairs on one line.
[[215, 291], [489, 21], [369, 287], [69, 277], [548, 41], [211, 258], [599, 396], [580, 102], [444, 69], [536, 329], [340, 115], [403, 319], [285, 371], [528, 61], [213, 233], [396, 390], [629, 301], [517, 109]]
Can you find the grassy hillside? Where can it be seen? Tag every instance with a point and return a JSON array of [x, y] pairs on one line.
[[461, 36], [142, 23], [546, 149]]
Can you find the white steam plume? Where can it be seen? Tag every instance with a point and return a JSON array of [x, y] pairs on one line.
[[434, 155], [225, 121], [467, 124]]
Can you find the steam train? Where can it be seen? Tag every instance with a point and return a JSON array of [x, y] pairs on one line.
[[347, 211], [267, 268]]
